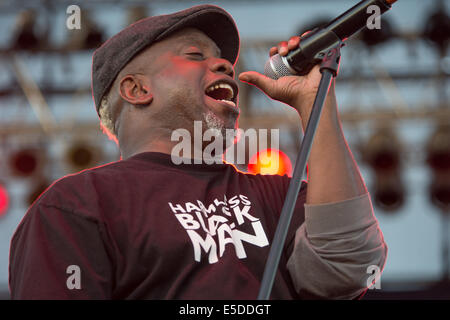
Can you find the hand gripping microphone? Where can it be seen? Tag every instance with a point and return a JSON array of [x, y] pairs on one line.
[[315, 44]]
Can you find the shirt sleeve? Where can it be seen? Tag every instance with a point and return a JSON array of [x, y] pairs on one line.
[[59, 254], [336, 249]]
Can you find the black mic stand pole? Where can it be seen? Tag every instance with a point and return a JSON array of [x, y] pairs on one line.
[[329, 69]]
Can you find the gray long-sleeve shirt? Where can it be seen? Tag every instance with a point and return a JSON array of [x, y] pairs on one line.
[[337, 248]]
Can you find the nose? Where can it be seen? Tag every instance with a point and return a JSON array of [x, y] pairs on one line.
[[222, 66]]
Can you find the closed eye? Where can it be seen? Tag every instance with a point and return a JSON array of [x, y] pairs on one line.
[[196, 54]]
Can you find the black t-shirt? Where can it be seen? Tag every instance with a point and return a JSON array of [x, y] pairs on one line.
[[145, 228]]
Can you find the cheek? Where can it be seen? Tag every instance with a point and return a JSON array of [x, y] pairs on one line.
[[180, 70], [179, 80]]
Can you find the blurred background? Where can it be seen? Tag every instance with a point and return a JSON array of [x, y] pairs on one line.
[[392, 90]]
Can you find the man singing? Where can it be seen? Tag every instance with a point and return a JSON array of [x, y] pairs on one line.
[[147, 228]]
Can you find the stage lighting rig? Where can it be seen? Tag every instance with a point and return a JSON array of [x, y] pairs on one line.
[[25, 37], [38, 187], [383, 154], [374, 37], [438, 160], [25, 162], [81, 155], [437, 28], [90, 36]]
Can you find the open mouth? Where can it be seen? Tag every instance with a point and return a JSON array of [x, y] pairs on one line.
[[222, 91]]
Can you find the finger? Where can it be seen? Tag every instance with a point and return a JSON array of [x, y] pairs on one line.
[[305, 33], [262, 82], [273, 51], [283, 48], [293, 43]]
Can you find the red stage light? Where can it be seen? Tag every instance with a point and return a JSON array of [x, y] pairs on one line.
[[270, 161], [4, 200], [24, 162]]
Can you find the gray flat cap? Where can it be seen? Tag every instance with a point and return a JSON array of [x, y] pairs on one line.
[[115, 53]]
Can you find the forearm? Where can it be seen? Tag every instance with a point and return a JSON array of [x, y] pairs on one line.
[[332, 171]]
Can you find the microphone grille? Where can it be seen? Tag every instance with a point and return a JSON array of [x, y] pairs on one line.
[[275, 68]]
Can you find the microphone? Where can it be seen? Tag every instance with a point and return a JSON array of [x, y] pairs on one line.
[[315, 44]]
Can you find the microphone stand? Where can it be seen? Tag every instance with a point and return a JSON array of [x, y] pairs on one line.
[[329, 68]]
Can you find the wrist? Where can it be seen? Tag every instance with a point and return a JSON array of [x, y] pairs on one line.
[[329, 116], [303, 104], [304, 101]]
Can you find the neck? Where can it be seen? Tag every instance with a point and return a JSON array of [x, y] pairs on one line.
[[152, 143], [163, 144]]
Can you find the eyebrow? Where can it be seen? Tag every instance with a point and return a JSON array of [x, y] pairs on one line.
[[186, 41]]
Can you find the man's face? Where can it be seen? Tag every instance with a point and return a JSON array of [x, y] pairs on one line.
[[190, 82]]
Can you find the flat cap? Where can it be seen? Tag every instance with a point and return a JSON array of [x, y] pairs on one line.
[[110, 58]]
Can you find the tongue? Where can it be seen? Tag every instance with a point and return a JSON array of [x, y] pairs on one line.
[[231, 103]]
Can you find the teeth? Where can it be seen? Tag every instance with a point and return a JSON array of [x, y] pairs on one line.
[[223, 86]]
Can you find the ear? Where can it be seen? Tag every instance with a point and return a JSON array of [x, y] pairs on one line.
[[135, 89]]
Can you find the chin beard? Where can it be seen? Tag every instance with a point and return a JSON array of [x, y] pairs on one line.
[[213, 122]]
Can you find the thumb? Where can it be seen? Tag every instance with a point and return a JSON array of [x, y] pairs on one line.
[[264, 83]]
